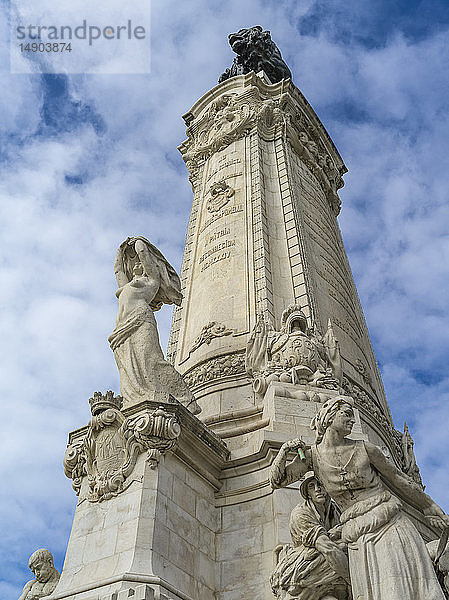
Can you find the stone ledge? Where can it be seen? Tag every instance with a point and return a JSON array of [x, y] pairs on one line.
[[142, 591], [197, 445]]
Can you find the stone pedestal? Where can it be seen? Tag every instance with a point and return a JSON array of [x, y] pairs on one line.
[[156, 537]]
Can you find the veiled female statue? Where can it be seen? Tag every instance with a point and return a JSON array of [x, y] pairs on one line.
[[388, 559], [314, 566], [146, 281]]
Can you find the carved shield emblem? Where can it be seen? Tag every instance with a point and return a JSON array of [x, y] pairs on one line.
[[219, 195], [110, 450], [298, 350]]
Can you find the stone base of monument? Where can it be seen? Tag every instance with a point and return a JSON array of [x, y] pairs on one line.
[[156, 537], [189, 520]]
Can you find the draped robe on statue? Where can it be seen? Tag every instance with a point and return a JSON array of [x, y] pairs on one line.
[[302, 571], [388, 559], [135, 340]]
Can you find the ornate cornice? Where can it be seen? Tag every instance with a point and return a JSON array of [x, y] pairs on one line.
[[228, 118], [108, 452], [274, 110]]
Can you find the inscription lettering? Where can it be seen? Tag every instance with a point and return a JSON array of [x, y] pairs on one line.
[[217, 175], [348, 331], [213, 237], [215, 259], [223, 162], [223, 213], [217, 248]]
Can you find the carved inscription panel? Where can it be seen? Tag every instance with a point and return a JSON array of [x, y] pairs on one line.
[[335, 292], [219, 272]]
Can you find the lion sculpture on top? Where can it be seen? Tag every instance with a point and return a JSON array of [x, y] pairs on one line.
[[256, 52]]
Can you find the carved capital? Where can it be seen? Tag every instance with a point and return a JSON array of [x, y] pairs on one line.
[[109, 451]]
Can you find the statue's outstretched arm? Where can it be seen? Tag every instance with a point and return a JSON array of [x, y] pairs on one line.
[[406, 487], [282, 474]]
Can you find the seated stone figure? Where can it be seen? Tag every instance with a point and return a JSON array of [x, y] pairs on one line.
[[315, 566], [388, 559], [46, 576]]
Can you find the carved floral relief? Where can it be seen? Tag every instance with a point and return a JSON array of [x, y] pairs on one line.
[[209, 332]]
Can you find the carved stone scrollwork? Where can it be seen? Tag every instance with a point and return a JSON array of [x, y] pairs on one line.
[[322, 167], [209, 332], [108, 453], [229, 118], [216, 368], [363, 370], [75, 464]]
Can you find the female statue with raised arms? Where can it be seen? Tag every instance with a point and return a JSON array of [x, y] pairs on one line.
[[146, 281], [388, 559]]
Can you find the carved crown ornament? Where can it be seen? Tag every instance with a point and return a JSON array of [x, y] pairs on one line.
[[109, 451]]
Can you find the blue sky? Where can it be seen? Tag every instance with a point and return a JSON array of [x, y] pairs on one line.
[[88, 160]]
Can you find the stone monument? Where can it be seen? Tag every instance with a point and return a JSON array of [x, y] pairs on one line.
[[188, 479]]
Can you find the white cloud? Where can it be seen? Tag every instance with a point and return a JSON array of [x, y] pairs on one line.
[[386, 111]]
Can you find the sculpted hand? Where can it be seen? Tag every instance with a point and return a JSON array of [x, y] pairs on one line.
[[335, 533], [294, 445], [436, 517], [334, 556]]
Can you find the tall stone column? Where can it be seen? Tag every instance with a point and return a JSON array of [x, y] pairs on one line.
[[172, 507], [263, 236]]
